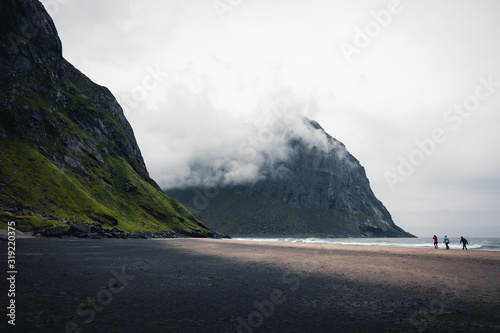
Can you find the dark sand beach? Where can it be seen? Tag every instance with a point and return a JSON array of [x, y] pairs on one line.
[[202, 285]]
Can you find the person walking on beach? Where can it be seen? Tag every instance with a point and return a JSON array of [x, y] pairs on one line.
[[446, 242], [464, 242], [435, 241]]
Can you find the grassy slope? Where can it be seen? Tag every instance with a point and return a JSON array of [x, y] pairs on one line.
[[106, 191], [52, 197]]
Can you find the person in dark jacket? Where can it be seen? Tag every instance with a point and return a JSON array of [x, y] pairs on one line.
[[464, 242]]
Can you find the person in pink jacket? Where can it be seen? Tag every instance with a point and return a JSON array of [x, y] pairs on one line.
[[435, 241]]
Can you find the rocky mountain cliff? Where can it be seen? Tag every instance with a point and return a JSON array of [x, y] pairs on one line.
[[67, 153], [319, 190]]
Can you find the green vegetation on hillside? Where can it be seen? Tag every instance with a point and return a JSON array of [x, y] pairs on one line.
[[68, 156], [113, 196]]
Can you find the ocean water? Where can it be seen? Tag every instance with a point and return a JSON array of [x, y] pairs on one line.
[[476, 244]]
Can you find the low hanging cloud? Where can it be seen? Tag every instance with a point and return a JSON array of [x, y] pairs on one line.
[[187, 141]]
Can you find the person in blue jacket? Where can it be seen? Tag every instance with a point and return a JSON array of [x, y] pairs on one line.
[[446, 241]]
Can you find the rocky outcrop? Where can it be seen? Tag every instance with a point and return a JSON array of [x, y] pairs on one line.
[[318, 190], [98, 232], [68, 154], [28, 38]]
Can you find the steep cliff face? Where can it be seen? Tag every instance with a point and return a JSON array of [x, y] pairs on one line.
[[33, 71], [68, 154], [318, 190]]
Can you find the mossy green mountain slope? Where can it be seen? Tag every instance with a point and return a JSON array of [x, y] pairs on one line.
[[38, 194], [67, 153]]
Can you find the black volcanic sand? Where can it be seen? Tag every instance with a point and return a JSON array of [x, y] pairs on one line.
[[200, 285]]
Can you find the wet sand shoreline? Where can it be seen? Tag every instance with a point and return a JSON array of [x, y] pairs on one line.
[[206, 285]]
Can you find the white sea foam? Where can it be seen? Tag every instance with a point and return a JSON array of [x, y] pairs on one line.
[[482, 244]]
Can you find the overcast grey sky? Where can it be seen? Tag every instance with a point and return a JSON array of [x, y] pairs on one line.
[[412, 88]]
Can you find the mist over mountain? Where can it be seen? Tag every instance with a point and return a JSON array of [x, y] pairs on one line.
[[216, 147], [304, 183]]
